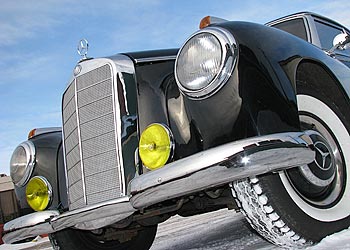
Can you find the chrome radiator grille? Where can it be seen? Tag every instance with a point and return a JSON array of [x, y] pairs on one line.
[[90, 138]]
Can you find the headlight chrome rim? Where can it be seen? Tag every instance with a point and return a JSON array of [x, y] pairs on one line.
[[228, 62], [30, 152]]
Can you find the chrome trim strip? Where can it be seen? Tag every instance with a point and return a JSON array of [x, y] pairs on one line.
[[64, 148], [79, 141], [117, 125], [121, 64], [155, 59], [222, 165]]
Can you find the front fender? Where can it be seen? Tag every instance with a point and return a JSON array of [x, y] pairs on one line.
[[268, 68], [49, 163]]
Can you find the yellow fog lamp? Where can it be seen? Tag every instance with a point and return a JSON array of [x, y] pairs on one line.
[[38, 193], [156, 146]]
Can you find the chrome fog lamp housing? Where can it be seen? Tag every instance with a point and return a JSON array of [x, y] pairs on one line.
[[22, 163], [205, 62], [39, 193]]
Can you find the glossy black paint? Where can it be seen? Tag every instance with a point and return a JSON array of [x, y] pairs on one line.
[[129, 138], [49, 164], [201, 124], [151, 54], [267, 69], [259, 98]]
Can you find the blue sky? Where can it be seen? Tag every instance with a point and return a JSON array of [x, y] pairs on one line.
[[38, 42]]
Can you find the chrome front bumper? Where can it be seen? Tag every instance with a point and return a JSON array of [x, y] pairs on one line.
[[209, 168]]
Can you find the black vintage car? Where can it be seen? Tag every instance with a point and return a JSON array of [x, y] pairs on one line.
[[243, 116]]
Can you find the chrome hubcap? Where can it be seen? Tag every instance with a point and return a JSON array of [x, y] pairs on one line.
[[320, 182], [321, 172]]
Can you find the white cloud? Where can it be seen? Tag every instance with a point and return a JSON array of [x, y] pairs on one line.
[[27, 66], [10, 33], [20, 20]]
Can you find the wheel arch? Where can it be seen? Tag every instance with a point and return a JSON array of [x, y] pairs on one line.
[[314, 74]]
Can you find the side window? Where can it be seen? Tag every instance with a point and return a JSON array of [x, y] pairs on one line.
[[326, 34], [294, 26]]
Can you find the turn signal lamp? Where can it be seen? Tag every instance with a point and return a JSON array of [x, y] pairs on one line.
[[38, 193], [31, 133], [156, 146], [206, 21]]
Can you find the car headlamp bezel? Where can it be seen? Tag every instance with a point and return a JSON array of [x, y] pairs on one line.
[[30, 155], [228, 62]]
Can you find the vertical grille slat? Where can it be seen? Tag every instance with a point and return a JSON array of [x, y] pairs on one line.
[[91, 149]]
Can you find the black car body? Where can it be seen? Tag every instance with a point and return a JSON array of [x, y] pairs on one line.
[[245, 121]]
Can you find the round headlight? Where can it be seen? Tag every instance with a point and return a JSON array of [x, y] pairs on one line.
[[22, 163], [38, 193], [205, 62], [155, 146], [199, 61]]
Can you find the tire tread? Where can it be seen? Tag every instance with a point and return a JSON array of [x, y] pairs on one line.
[[262, 217]]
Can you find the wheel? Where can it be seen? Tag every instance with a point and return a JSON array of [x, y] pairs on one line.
[[301, 206], [104, 239]]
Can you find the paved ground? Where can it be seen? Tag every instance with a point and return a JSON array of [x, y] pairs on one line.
[[220, 230]]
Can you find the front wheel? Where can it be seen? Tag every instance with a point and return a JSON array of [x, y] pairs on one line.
[[301, 206], [104, 239]]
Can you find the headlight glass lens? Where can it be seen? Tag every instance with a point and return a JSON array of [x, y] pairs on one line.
[[205, 62], [22, 163], [38, 193], [155, 146], [18, 164], [199, 61]]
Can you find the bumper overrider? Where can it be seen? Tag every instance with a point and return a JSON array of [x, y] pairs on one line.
[[206, 169]]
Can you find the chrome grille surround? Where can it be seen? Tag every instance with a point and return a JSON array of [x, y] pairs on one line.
[[91, 117]]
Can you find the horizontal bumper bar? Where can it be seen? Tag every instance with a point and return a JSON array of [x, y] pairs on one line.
[[221, 165], [91, 217], [210, 168], [29, 225]]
